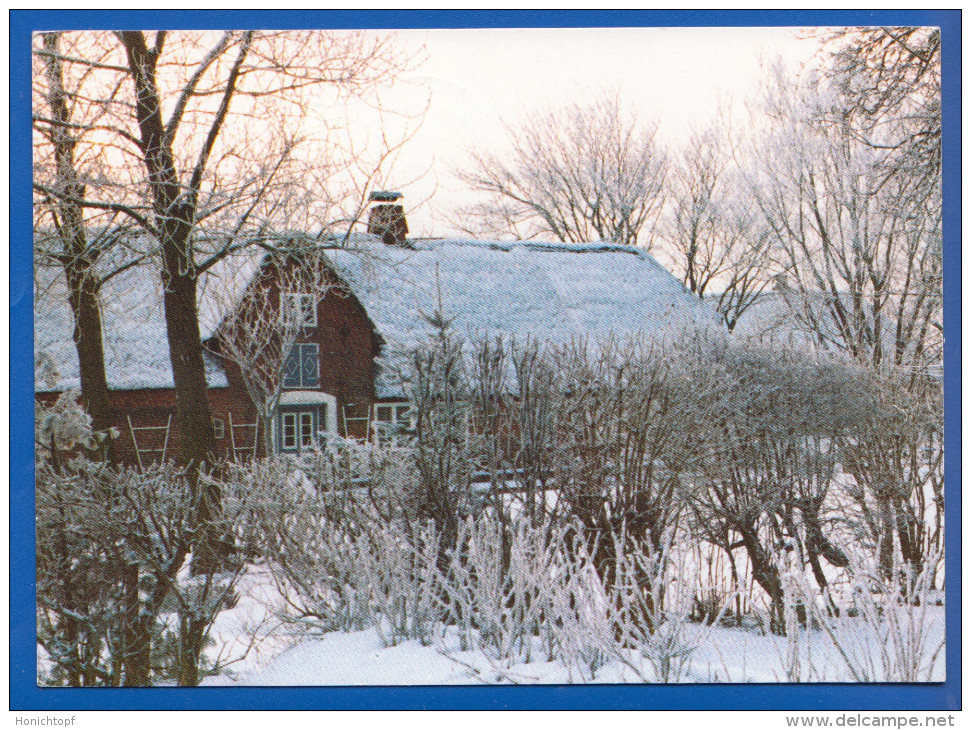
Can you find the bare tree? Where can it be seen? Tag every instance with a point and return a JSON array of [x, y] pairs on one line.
[[189, 122], [626, 423], [769, 458], [889, 82], [848, 180], [580, 173], [895, 455], [185, 133], [262, 329], [861, 256], [712, 230], [438, 389], [88, 245]]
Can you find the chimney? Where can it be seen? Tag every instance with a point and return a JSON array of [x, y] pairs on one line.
[[386, 218]]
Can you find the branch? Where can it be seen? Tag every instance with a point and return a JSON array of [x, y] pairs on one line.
[[190, 87], [245, 216], [115, 207], [85, 62], [217, 123], [87, 128]]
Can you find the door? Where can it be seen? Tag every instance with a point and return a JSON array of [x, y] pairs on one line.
[[299, 427]]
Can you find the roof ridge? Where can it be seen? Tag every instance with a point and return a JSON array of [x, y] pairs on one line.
[[536, 245]]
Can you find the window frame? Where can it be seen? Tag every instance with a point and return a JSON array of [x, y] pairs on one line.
[[288, 427], [401, 418], [302, 382], [299, 427], [300, 303]]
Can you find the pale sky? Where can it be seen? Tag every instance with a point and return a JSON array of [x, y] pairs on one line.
[[479, 78]]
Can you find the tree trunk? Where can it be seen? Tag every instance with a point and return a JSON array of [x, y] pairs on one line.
[[175, 219], [909, 533], [766, 574], [192, 414], [137, 638], [76, 257], [885, 548], [191, 635], [736, 584], [88, 338]]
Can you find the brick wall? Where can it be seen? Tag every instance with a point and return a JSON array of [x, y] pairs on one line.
[[347, 344]]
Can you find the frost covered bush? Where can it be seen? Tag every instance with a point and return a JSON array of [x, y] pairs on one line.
[[518, 591], [404, 582], [896, 458], [306, 534], [80, 592], [63, 430], [113, 580], [739, 447], [588, 506], [885, 634], [339, 531], [512, 590], [771, 461], [437, 385]]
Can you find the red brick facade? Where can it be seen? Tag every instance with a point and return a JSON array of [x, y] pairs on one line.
[[347, 345]]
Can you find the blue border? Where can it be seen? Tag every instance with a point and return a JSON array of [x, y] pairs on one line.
[[25, 695]]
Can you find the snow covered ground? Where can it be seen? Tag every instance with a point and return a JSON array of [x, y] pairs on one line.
[[284, 655]]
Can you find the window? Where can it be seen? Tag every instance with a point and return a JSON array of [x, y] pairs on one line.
[[392, 421], [300, 307], [299, 427], [302, 369], [397, 413], [219, 428]]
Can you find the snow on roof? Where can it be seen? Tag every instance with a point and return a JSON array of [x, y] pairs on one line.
[[555, 292], [771, 319], [135, 340], [222, 287]]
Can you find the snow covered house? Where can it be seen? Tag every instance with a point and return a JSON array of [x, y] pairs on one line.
[[378, 289]]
